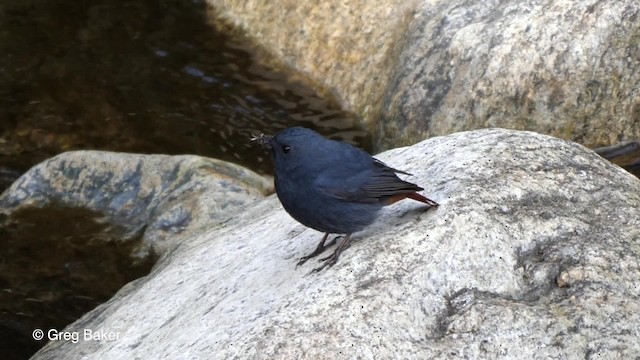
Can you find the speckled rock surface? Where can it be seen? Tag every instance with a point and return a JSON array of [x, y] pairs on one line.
[[76, 228], [412, 70], [154, 195], [534, 253], [346, 49], [568, 68]]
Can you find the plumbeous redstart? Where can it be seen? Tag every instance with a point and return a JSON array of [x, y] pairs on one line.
[[332, 187]]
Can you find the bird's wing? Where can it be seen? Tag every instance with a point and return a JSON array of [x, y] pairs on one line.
[[369, 185]]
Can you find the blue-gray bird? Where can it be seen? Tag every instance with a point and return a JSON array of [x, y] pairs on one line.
[[332, 187]]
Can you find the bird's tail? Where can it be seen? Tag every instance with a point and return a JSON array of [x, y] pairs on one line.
[[418, 197]]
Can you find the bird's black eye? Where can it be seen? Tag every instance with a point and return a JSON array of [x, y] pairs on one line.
[[285, 148]]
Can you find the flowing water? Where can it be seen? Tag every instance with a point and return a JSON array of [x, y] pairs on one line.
[[149, 76]]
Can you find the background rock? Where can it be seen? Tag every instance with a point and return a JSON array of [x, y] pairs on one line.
[[344, 49], [569, 69], [413, 69], [77, 227], [150, 194], [534, 253]]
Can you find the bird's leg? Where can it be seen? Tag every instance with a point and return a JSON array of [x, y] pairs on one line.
[[333, 258], [319, 249]]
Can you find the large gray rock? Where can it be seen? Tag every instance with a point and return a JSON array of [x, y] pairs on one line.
[[77, 227], [414, 69], [570, 69], [534, 253]]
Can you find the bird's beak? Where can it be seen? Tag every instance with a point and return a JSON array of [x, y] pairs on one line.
[[262, 139]]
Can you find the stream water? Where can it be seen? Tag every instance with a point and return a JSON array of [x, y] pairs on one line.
[[148, 76]]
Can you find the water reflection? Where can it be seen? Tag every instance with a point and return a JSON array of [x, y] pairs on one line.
[[140, 76]]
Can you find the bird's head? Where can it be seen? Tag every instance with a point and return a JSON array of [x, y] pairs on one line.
[[291, 147]]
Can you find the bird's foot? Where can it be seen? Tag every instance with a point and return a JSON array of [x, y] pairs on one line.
[[329, 261], [319, 250], [332, 259], [305, 258]]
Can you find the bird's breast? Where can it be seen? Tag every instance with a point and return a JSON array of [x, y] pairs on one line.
[[313, 208]]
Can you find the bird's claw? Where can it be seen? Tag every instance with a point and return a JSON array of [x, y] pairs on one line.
[[317, 251], [329, 261], [329, 257], [303, 260]]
